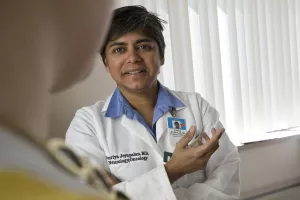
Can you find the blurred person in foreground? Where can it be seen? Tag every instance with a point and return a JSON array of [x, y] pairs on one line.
[[46, 46]]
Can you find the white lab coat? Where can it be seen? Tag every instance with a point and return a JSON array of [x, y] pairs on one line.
[[104, 140]]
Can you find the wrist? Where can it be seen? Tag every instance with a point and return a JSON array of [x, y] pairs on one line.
[[172, 173]]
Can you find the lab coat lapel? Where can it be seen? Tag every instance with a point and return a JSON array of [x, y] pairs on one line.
[[162, 126], [138, 130]]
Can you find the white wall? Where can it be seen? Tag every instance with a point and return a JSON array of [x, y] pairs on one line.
[[264, 165]]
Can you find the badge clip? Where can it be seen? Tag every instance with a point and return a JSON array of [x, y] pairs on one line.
[[172, 110]]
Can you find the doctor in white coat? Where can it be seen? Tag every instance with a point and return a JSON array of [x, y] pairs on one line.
[[145, 134]]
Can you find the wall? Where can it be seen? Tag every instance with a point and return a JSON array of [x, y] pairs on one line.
[[96, 87], [269, 165], [264, 166]]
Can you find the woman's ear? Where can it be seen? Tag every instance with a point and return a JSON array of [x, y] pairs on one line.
[[106, 65], [162, 61]]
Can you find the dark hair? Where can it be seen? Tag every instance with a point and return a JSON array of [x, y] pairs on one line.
[[176, 123], [135, 18]]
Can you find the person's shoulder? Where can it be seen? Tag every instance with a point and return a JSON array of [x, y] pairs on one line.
[[186, 94], [50, 170], [99, 105], [187, 97], [193, 99]]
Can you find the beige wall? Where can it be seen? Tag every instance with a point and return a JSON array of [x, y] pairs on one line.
[[64, 105], [263, 165], [269, 165]]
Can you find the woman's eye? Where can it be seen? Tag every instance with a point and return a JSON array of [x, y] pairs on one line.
[[144, 47], [119, 50]]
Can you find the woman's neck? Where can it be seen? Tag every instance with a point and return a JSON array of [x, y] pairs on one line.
[[145, 99]]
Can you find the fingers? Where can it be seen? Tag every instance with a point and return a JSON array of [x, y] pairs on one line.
[[204, 135], [186, 138], [213, 131], [200, 141], [206, 150], [196, 142], [212, 144], [217, 134]]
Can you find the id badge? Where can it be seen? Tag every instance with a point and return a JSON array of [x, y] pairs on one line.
[[176, 127]]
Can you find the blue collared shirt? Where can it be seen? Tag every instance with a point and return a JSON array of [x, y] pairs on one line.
[[118, 106]]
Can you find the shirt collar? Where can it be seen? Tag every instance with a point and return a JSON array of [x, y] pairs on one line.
[[165, 99], [118, 105]]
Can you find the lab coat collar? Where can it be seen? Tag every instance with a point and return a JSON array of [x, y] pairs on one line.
[[105, 106], [114, 105]]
